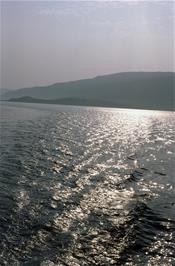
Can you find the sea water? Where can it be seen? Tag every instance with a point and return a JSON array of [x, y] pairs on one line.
[[86, 186]]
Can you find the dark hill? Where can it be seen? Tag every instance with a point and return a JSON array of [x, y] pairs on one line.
[[144, 90]]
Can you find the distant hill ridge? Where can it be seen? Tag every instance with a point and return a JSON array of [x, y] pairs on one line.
[[143, 90]]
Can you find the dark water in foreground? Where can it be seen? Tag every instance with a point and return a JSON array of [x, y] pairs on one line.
[[86, 186]]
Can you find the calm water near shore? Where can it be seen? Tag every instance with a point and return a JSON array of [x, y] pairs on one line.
[[86, 186]]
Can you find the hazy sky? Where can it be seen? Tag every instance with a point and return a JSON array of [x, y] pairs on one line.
[[48, 42]]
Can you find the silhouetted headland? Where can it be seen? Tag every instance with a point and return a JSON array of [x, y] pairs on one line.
[[142, 90]]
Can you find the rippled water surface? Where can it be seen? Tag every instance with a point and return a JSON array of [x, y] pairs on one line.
[[86, 186]]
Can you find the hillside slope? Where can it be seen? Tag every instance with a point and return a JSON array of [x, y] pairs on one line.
[[145, 90]]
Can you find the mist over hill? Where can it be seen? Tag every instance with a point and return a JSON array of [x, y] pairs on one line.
[[4, 91], [143, 90]]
